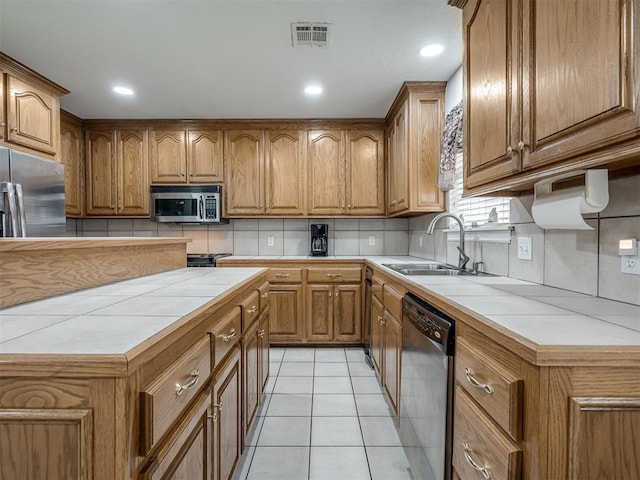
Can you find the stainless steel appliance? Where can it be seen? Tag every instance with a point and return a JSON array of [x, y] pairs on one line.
[[366, 330], [204, 259], [187, 203], [427, 381], [31, 195], [319, 239]]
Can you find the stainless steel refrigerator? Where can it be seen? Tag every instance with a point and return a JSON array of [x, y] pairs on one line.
[[31, 195]]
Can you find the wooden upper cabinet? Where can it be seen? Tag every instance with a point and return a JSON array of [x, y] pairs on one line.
[[285, 158], [133, 172], [414, 137], [326, 172], [117, 175], [101, 180], [33, 116], [244, 172], [365, 172], [550, 88], [3, 113], [186, 156], [71, 155], [168, 156], [205, 156]]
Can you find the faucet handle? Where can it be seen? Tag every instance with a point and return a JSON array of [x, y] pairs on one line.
[[463, 260]]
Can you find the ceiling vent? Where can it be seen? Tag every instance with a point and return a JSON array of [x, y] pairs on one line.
[[305, 34]]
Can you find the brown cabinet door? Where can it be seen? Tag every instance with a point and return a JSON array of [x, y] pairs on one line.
[[491, 91], [71, 156], [3, 113], [377, 317], [319, 313], [46, 443], [168, 161], [286, 315], [205, 156], [583, 77], [398, 198], [186, 454], [227, 424], [133, 175], [365, 172], [263, 348], [284, 172], [33, 116], [251, 392], [244, 175], [347, 321], [326, 172], [100, 162], [392, 345]]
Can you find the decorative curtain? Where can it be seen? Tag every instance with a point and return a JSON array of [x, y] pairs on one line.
[[451, 146]]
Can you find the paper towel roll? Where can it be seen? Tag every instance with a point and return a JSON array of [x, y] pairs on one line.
[[561, 210]]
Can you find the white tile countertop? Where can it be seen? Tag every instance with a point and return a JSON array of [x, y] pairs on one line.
[[113, 319]]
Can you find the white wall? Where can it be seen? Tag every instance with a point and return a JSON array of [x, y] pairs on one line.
[[453, 93]]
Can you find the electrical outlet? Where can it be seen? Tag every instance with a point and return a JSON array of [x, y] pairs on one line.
[[372, 240], [525, 247], [630, 264], [271, 241]]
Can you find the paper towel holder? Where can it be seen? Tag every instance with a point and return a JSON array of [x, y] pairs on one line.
[[594, 194]]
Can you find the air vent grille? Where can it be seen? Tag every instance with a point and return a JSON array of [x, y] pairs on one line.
[[305, 34]]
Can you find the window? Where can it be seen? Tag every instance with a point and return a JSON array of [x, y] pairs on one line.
[[475, 209]]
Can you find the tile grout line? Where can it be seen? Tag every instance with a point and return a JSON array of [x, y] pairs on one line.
[[366, 454]]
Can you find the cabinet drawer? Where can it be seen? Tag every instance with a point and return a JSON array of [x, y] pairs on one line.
[[263, 291], [480, 448], [392, 301], [285, 275], [225, 335], [166, 397], [334, 275], [250, 310], [492, 386], [376, 287]]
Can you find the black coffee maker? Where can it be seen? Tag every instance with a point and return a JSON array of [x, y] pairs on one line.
[[319, 239]]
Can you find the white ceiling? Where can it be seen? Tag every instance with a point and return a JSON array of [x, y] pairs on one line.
[[229, 58]]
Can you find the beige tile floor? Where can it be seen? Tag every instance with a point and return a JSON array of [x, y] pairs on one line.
[[324, 417]]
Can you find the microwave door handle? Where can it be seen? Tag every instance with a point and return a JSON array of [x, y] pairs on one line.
[[8, 190], [21, 211], [201, 208]]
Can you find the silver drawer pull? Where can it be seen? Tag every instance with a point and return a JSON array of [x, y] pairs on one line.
[[216, 408], [195, 377], [265, 295], [252, 310], [471, 461], [233, 334], [261, 333], [474, 381], [282, 275], [333, 275]]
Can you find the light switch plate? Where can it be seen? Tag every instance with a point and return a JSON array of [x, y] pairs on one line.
[[271, 241], [372, 240], [525, 247]]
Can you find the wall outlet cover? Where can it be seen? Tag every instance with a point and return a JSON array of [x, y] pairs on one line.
[[271, 241], [525, 247], [372, 240], [630, 264]]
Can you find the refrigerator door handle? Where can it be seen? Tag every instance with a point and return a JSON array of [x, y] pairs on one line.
[[8, 189], [22, 213]]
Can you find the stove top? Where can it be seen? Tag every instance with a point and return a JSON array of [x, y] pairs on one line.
[[204, 259]]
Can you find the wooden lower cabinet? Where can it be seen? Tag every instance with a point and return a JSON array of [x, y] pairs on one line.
[[251, 389], [227, 418], [334, 313], [263, 352], [392, 346], [187, 453], [376, 342], [286, 317]]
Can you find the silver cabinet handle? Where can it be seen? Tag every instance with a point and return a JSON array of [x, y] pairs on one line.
[[233, 334], [522, 145], [195, 377], [282, 275], [509, 150], [216, 408], [475, 465], [265, 295], [334, 275], [252, 310], [261, 333], [476, 383]]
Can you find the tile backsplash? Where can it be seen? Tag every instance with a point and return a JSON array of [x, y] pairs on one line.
[[584, 261]]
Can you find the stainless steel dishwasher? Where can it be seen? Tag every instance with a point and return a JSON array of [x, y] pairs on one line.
[[426, 399]]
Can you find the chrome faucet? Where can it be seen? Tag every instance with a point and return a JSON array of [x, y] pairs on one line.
[[463, 258]]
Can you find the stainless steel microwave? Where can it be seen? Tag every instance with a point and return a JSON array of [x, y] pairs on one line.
[[187, 203]]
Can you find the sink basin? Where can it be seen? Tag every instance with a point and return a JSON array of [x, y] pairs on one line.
[[428, 269]]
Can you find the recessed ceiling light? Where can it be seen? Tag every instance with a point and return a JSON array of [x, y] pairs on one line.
[[431, 50], [313, 90], [123, 90]]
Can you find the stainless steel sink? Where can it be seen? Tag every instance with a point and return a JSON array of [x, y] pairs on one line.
[[428, 269]]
